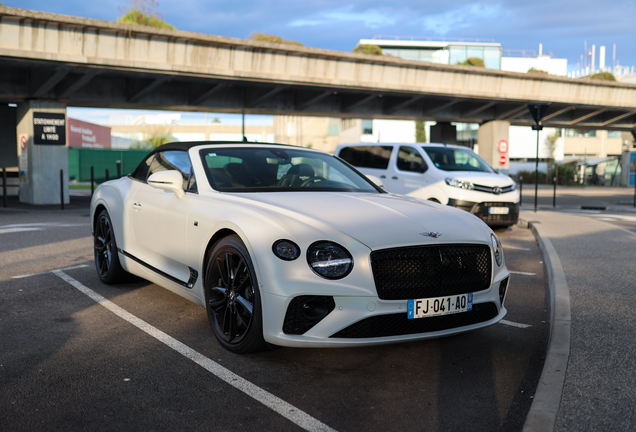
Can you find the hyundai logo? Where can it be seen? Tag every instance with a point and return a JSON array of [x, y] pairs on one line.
[[496, 190]]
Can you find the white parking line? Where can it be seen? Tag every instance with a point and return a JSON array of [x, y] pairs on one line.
[[521, 273], [288, 411], [514, 324], [50, 271]]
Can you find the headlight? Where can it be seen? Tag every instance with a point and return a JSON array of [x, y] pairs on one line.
[[497, 249], [286, 250], [459, 183], [329, 260]]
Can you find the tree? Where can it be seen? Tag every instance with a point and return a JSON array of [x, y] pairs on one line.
[[420, 132], [367, 49], [472, 61], [551, 144], [603, 76], [141, 12], [262, 37], [539, 71]]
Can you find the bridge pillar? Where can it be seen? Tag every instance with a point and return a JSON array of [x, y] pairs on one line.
[[445, 133], [494, 139], [42, 151]]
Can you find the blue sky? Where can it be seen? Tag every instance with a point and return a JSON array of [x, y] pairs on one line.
[[564, 27]]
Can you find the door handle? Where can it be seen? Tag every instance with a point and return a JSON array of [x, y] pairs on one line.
[[382, 176], [137, 206], [394, 177]]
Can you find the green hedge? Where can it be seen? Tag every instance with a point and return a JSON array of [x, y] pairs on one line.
[[80, 161]]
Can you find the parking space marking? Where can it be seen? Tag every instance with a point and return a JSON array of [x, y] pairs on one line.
[[276, 404], [50, 271], [521, 273], [514, 324], [4, 229]]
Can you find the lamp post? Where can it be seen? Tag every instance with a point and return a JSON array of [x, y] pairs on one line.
[[537, 111]]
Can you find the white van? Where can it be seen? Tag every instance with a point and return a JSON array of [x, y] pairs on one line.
[[447, 174]]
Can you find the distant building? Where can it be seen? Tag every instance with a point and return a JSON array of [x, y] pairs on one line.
[[85, 134], [439, 50]]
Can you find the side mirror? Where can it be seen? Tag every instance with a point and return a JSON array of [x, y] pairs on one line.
[[377, 181], [168, 180]]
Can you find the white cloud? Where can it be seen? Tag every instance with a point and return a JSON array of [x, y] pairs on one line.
[[369, 18], [466, 16]]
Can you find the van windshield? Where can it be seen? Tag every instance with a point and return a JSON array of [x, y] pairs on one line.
[[454, 159]]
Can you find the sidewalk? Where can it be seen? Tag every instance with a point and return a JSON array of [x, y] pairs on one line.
[[78, 202], [589, 378]]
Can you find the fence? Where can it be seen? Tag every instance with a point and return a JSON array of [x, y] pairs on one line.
[[80, 161]]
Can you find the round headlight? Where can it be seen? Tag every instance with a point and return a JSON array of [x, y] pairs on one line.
[[329, 260], [286, 250], [496, 247]]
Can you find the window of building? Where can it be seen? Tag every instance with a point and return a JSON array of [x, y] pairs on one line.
[[614, 134], [367, 127], [579, 133]]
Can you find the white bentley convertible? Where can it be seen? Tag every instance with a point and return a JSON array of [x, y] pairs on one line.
[[293, 247]]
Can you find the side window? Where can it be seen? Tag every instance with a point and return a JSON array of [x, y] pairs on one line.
[[409, 159], [141, 173], [367, 156], [174, 160]]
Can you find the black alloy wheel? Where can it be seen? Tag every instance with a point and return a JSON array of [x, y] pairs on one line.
[[232, 297], [107, 263]]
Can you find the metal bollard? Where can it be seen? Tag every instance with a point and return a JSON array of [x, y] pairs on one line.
[[62, 189], [520, 191], [107, 176], [554, 195], [92, 181], [4, 187], [118, 163]]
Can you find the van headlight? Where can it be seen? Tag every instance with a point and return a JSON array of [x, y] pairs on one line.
[[459, 183], [497, 249]]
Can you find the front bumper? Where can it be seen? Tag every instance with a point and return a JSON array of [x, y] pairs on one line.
[[359, 321], [481, 210]]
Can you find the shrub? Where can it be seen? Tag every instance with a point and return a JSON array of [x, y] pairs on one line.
[[262, 37], [603, 76], [368, 49], [539, 71], [472, 61]]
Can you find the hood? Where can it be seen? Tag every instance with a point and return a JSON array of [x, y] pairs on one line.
[[481, 178], [380, 220]]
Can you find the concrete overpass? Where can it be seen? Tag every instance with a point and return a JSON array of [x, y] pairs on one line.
[[85, 62]]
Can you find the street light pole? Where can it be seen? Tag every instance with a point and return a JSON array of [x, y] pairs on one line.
[[537, 111]]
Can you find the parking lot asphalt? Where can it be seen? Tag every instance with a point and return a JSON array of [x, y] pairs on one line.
[[67, 362]]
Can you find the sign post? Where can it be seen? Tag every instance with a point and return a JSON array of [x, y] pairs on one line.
[[537, 111]]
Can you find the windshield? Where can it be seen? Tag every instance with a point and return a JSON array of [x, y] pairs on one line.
[[454, 159], [255, 169]]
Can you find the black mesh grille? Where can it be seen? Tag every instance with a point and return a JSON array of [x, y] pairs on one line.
[[481, 211], [430, 271], [399, 324], [298, 320]]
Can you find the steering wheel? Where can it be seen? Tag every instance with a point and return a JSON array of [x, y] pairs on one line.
[[310, 181]]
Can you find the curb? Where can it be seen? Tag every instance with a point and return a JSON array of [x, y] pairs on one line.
[[547, 399]]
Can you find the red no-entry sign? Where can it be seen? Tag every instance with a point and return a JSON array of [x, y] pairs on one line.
[[503, 160]]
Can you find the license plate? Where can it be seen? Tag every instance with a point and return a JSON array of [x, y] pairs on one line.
[[498, 210], [428, 307]]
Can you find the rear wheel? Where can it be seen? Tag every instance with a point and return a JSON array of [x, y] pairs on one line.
[[107, 262], [232, 297]]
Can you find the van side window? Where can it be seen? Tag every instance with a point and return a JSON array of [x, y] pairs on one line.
[[367, 156], [410, 159]]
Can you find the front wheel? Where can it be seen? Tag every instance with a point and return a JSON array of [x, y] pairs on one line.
[[232, 297]]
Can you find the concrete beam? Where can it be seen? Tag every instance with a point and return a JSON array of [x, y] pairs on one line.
[[156, 83]]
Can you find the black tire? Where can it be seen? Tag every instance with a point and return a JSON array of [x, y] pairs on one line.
[[232, 297], [109, 269]]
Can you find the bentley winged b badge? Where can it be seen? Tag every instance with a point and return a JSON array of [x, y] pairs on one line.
[[431, 234]]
